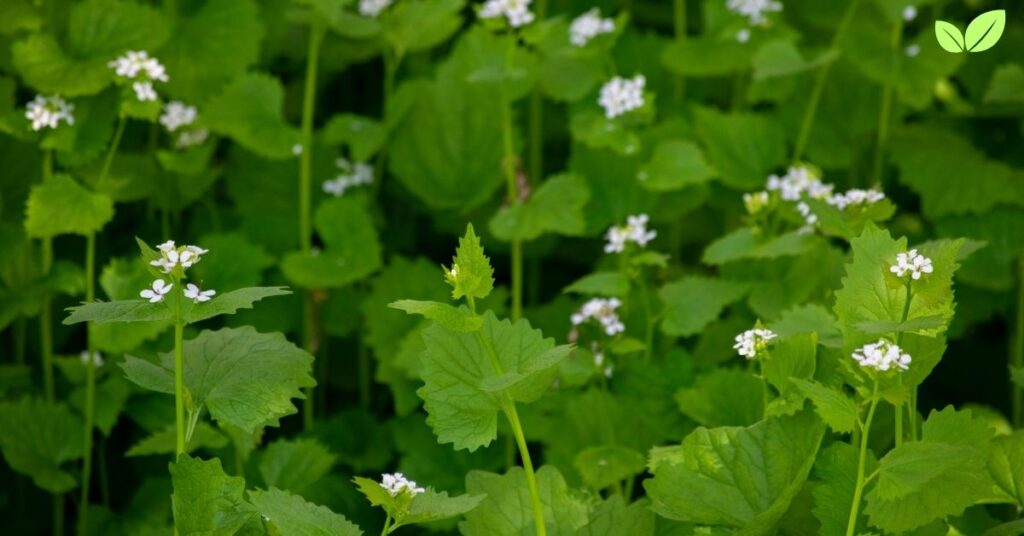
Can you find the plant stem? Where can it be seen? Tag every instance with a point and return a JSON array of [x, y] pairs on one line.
[[58, 514], [20, 329], [851, 525], [537, 116], [387, 526], [648, 318], [899, 340], [886, 109], [109, 159], [90, 388], [364, 376], [179, 387], [316, 34], [531, 477], [46, 322], [679, 25], [819, 84], [1017, 349], [509, 167]]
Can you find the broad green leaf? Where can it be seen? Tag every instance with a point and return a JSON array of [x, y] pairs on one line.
[[471, 273], [210, 47], [600, 284], [1006, 464], [949, 37], [164, 442], [38, 438], [206, 501], [607, 465], [790, 358], [18, 15], [419, 25], [234, 261], [723, 397], [812, 318], [556, 207], [290, 514], [137, 310], [228, 365], [294, 465], [883, 327], [464, 391], [836, 474], [86, 140], [506, 511], [674, 165], [744, 147], [614, 518], [59, 205], [424, 507], [707, 56], [490, 60], [992, 267], [249, 110], [756, 471], [444, 315], [363, 136], [833, 406], [111, 394], [781, 58], [612, 197], [1006, 85], [621, 135], [747, 243], [352, 250], [693, 302], [566, 72], [984, 31], [230, 302], [849, 223]]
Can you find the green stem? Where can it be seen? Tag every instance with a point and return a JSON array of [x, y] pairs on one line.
[[509, 166], [1017, 349], [109, 158], [179, 387], [46, 322], [851, 525], [20, 330], [58, 514], [90, 388], [899, 340], [819, 85], [764, 388], [537, 116], [648, 318], [387, 526], [531, 477], [886, 108], [679, 25], [365, 383], [316, 34]]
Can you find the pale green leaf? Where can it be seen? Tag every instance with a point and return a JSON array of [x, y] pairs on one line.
[[833, 406], [506, 510], [418, 25], [38, 438], [444, 315], [607, 465], [290, 514], [295, 465], [471, 273], [746, 243], [1006, 464], [249, 110], [674, 165], [949, 37], [984, 31], [600, 284], [556, 207], [207, 502], [59, 205], [352, 249], [744, 147], [693, 302]]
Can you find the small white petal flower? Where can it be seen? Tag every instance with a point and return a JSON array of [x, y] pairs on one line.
[[796, 181], [191, 138], [634, 231], [297, 149], [159, 289], [193, 293], [48, 112], [912, 50], [516, 12], [144, 91], [373, 8], [912, 264], [602, 310], [588, 26], [752, 342], [622, 95], [167, 246], [909, 13], [97, 358], [882, 356], [396, 484], [352, 175], [756, 11], [854, 197], [743, 35], [177, 114]]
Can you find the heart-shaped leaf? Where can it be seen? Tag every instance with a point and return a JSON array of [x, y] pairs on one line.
[[949, 37], [985, 30]]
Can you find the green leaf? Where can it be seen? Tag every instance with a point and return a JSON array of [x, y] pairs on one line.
[[164, 442], [38, 438], [473, 275], [949, 37], [295, 465], [833, 406], [18, 15], [723, 397], [707, 56], [290, 514], [674, 165], [747, 243], [1006, 85], [249, 110], [836, 475], [364, 136], [419, 25], [352, 249], [1006, 465], [743, 147], [614, 518], [444, 315], [556, 207], [756, 471], [205, 500], [607, 465], [812, 318], [883, 327], [59, 205], [781, 58], [137, 310], [230, 302], [424, 507], [790, 358], [505, 511], [693, 302], [464, 392], [228, 365], [984, 31], [600, 284]]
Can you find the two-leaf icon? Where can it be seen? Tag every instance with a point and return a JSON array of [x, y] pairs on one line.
[[982, 33]]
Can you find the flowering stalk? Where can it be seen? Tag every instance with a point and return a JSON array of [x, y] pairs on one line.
[[899, 340], [509, 166], [316, 35], [179, 381], [90, 386], [537, 116], [46, 339], [886, 109], [865, 428]]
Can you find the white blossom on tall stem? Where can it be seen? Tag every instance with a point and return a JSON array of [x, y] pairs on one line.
[[373, 8], [882, 356], [396, 484], [48, 112], [622, 95], [158, 290], [142, 70], [97, 358], [588, 26], [855, 196], [177, 114], [911, 263], [752, 342], [356, 174], [516, 12], [634, 231], [797, 181], [756, 11], [194, 293], [171, 256], [602, 310]]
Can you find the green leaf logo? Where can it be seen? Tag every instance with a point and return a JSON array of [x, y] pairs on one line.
[[982, 33]]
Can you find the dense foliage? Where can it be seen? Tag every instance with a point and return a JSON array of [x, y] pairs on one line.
[[511, 267]]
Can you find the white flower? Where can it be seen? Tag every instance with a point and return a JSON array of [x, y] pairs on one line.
[[634, 231], [754, 10], [47, 112], [854, 197], [166, 246], [912, 50], [517, 12], [796, 181], [352, 175], [396, 484], [171, 256], [603, 310], [297, 149], [156, 294], [621, 95], [805, 210], [373, 8], [144, 91], [97, 358], [588, 26], [753, 341], [190, 138], [911, 263], [882, 356], [136, 62], [193, 293], [743, 35], [177, 114], [909, 13]]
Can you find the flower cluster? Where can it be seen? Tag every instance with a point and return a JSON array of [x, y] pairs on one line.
[[171, 256], [351, 175], [373, 8], [48, 112], [753, 341], [599, 362], [634, 231], [621, 95], [882, 356], [588, 26], [396, 484], [96, 358], [911, 263], [178, 114], [189, 138], [797, 181], [855, 196], [754, 10], [517, 12], [142, 70], [602, 310], [801, 181]]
